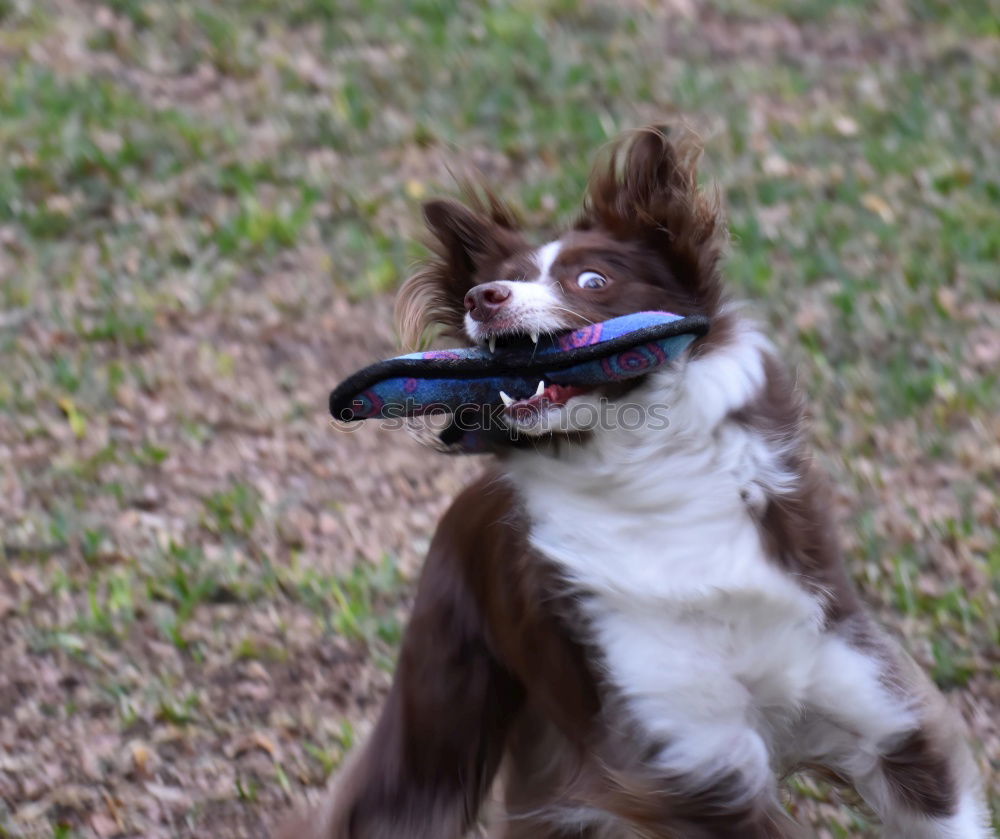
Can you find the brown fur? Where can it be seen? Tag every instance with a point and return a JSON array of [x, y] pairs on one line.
[[920, 773], [647, 191], [798, 528]]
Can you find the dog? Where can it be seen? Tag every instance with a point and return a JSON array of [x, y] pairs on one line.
[[626, 631]]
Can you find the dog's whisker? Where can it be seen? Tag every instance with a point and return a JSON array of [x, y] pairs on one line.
[[575, 314]]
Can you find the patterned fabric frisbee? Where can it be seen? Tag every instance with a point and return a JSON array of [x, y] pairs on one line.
[[447, 381]]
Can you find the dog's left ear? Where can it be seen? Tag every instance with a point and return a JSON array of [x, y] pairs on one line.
[[466, 241], [646, 190]]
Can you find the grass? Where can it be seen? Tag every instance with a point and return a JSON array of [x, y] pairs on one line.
[[202, 210]]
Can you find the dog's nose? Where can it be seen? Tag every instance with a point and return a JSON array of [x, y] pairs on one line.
[[482, 302]]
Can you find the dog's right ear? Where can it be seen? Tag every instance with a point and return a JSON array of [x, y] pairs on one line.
[[645, 189], [466, 241]]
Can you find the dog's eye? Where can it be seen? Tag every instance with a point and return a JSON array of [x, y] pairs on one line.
[[591, 279]]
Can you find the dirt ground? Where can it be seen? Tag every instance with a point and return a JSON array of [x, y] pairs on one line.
[[185, 737]]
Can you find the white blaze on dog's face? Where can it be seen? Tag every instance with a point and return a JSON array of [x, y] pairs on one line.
[[522, 305]]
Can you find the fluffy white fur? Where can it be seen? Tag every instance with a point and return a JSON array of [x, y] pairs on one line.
[[713, 648]]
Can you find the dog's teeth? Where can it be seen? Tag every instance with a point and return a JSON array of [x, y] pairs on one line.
[[507, 401], [541, 388], [493, 343], [534, 337]]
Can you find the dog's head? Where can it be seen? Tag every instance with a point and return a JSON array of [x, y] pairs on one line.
[[647, 239]]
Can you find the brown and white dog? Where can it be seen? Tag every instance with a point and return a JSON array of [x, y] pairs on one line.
[[635, 631]]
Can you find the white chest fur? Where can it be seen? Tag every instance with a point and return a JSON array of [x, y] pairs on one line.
[[711, 644]]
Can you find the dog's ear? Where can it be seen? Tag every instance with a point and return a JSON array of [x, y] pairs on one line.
[[466, 241], [646, 190]]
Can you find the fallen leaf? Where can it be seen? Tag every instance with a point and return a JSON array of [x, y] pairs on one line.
[[142, 757], [77, 422], [104, 826], [878, 205], [845, 125], [254, 740], [169, 795]]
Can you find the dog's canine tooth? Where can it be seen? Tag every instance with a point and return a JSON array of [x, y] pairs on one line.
[[507, 401], [541, 387], [534, 336], [493, 343]]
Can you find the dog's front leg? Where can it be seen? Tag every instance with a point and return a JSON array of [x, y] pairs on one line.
[[435, 748]]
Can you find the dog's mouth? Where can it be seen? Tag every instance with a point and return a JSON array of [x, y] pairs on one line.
[[545, 398], [527, 409], [510, 340]]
